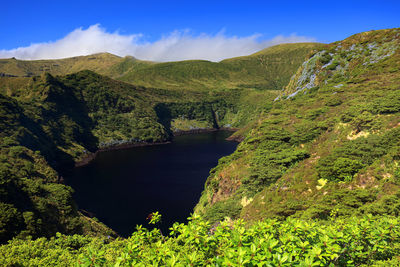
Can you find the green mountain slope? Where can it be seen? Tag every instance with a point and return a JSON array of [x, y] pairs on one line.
[[47, 124], [22, 68], [329, 145], [269, 69], [33, 202], [233, 83]]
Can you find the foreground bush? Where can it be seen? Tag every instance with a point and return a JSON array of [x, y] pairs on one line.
[[348, 242]]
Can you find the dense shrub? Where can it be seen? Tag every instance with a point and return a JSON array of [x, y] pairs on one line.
[[349, 242], [325, 58], [347, 160]]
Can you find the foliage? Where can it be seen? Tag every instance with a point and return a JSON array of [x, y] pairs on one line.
[[351, 242], [327, 149], [336, 121], [154, 218], [269, 69], [348, 159]]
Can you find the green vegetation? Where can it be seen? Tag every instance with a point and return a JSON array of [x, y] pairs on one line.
[[314, 182], [269, 69], [49, 122], [100, 63], [352, 242], [353, 155], [331, 141]]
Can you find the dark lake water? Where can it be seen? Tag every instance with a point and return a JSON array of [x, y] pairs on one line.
[[121, 187]]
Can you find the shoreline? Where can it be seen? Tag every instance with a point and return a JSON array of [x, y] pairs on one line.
[[90, 157], [205, 130], [235, 138]]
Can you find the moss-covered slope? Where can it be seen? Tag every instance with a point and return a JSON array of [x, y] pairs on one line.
[[269, 69], [328, 145], [33, 202], [27, 68]]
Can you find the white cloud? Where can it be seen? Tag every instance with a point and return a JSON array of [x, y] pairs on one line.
[[178, 45]]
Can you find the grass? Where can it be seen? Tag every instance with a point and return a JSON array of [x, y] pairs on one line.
[[346, 135], [269, 69]]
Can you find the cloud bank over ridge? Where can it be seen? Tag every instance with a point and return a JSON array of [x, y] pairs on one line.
[[178, 45]]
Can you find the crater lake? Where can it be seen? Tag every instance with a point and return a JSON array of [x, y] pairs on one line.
[[122, 187]]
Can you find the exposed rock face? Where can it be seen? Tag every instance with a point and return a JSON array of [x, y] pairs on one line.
[[332, 63]]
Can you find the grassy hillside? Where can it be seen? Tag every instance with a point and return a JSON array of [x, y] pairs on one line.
[[100, 63], [221, 90], [269, 69], [328, 147], [33, 202], [315, 181]]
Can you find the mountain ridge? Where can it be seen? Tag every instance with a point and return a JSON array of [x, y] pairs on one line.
[[170, 75]]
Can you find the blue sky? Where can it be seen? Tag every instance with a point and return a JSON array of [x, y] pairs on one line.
[[30, 22]]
